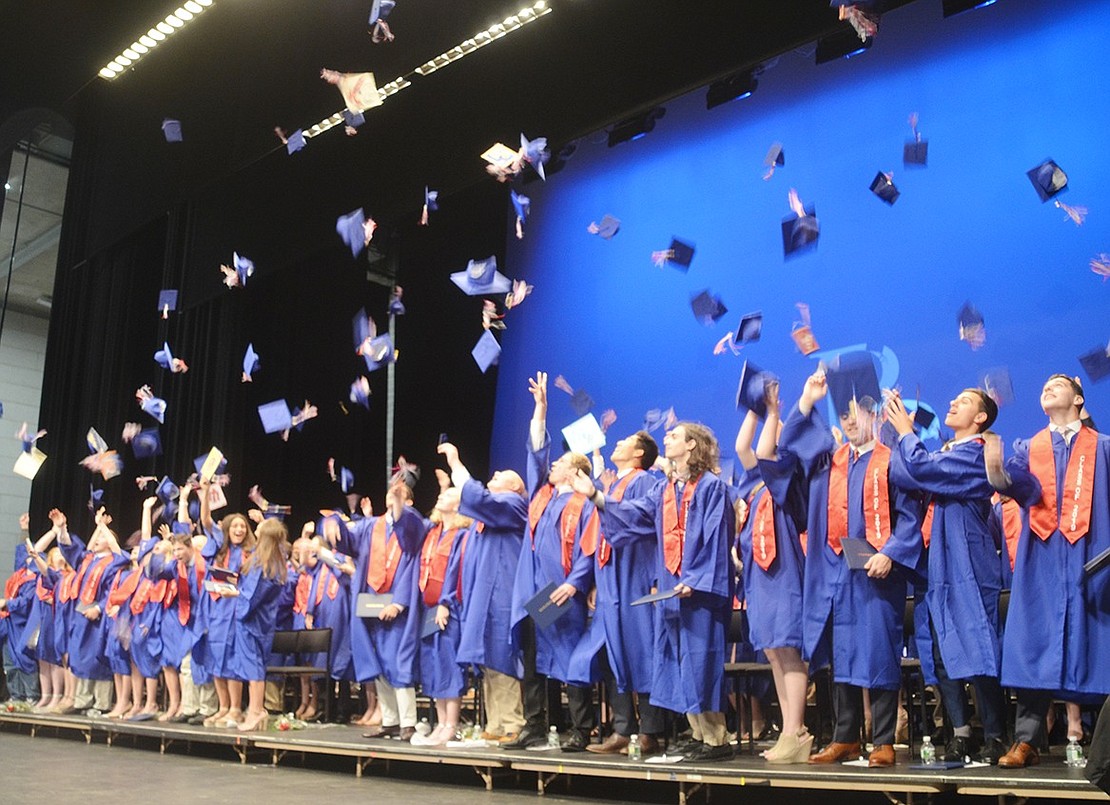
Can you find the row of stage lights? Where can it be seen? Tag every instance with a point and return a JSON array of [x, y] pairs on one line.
[[150, 40]]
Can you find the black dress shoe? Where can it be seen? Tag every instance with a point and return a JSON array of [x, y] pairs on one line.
[[682, 745], [959, 748], [992, 750], [383, 732], [195, 720], [705, 753], [529, 736], [406, 734], [576, 741]]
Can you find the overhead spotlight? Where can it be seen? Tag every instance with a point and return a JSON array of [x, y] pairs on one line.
[[843, 44], [954, 7], [733, 88], [635, 127]]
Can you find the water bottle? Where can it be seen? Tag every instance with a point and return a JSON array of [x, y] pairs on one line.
[[928, 751], [553, 738], [423, 728], [634, 748], [1074, 753], [476, 733]]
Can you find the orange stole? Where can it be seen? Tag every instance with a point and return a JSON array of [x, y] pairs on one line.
[[568, 521], [92, 580], [674, 524], [876, 498], [184, 600], [433, 562], [382, 568], [927, 525], [1074, 519], [764, 549], [1011, 524], [122, 591], [593, 538], [44, 593], [12, 585], [300, 594]]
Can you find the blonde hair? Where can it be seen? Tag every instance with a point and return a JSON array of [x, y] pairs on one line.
[[268, 552], [579, 461]]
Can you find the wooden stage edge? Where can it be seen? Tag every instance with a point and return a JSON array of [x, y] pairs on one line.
[[1051, 779]]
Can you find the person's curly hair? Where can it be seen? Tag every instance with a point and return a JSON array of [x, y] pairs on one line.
[[706, 455]]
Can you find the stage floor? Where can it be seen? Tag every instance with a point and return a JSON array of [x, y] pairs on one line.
[[1051, 779]]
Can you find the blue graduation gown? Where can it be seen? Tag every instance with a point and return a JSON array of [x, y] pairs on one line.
[[964, 576], [179, 639], [117, 649], [441, 676], [146, 632], [45, 620], [1058, 627], [380, 648], [87, 638], [850, 620], [541, 563], [335, 614], [20, 607], [255, 619], [486, 636], [774, 595], [690, 648], [626, 632], [212, 648]]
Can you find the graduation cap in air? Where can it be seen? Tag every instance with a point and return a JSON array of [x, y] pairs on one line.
[[751, 390], [1096, 363], [243, 268], [96, 497], [353, 119], [352, 228], [972, 325], [608, 227], [431, 204], [750, 329], [167, 490], [883, 187], [378, 352], [360, 392], [487, 352], [678, 255], [155, 406], [164, 358], [852, 382], [171, 130], [481, 278], [167, 302], [199, 462], [708, 308], [923, 416], [276, 416], [776, 157], [295, 142], [359, 90], [379, 28], [147, 443], [1048, 179], [915, 153], [998, 385], [800, 232], [251, 363], [396, 306], [346, 480], [522, 204], [535, 153]]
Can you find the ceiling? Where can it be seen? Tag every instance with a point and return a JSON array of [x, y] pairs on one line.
[[255, 64]]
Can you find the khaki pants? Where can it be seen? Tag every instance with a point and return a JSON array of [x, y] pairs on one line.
[[398, 704], [504, 705], [93, 693], [196, 699], [708, 727]]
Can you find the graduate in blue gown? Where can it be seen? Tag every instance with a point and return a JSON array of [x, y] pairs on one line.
[[16, 604], [441, 595], [386, 550], [486, 639], [329, 601], [963, 572], [1058, 628], [692, 516], [620, 636], [228, 544], [96, 566], [772, 554], [552, 553], [854, 618], [261, 582]]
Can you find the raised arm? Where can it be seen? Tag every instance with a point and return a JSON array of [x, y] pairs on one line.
[[745, 438], [205, 508], [769, 437]]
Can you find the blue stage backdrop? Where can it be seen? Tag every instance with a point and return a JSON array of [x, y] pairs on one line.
[[997, 91]]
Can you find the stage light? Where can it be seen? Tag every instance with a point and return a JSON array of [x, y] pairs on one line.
[[954, 7], [733, 88], [843, 44], [148, 41], [526, 15], [635, 127]]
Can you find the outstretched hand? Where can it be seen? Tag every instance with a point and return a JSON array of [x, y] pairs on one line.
[[537, 387], [583, 484], [897, 415]]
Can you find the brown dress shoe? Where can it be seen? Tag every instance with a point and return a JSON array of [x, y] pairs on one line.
[[613, 745], [836, 752], [1020, 755], [881, 756], [649, 745], [406, 733]]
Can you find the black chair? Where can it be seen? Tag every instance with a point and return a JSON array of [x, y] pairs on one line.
[[300, 643], [737, 671], [913, 680]]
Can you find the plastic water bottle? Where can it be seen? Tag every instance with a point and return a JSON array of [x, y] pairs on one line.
[[1074, 753], [634, 748], [928, 751], [553, 737]]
